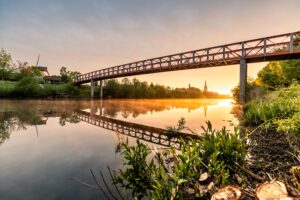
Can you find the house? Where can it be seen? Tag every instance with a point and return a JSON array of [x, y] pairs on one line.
[[52, 79]]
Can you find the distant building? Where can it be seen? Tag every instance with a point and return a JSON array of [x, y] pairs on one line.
[[52, 79], [205, 87], [43, 70]]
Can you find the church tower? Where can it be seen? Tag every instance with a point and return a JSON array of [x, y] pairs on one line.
[[205, 87]]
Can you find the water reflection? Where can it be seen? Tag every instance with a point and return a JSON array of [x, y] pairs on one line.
[[135, 108], [46, 144], [145, 133], [17, 115]]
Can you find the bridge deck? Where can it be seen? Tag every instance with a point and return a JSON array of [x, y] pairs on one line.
[[279, 47]]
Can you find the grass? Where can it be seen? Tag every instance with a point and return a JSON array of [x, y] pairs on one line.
[[280, 109], [29, 88], [6, 88]]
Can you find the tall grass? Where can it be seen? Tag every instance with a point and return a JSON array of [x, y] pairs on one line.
[[280, 109]]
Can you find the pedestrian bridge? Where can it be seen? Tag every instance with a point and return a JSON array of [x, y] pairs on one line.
[[278, 47]]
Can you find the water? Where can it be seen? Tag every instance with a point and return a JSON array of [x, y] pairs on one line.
[[47, 148]]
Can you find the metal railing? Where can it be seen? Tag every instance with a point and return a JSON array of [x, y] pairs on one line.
[[256, 50]]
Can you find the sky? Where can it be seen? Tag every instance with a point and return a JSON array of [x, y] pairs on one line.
[[87, 35]]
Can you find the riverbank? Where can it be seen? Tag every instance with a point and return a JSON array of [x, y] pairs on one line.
[[30, 88]]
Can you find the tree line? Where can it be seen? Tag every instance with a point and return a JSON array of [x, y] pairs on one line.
[[141, 89]]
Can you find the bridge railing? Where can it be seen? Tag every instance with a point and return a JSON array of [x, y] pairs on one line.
[[150, 134], [213, 56]]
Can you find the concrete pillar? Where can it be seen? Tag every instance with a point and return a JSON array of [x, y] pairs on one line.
[[101, 89], [92, 88], [243, 80]]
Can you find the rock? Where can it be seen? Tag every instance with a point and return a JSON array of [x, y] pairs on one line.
[[272, 190], [203, 177], [228, 193], [210, 186]]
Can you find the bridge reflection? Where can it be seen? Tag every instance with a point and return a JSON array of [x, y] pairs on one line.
[[146, 133]]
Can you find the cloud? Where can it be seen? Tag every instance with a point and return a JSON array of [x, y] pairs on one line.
[[93, 34]]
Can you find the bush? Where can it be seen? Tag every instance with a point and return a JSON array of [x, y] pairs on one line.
[[221, 150], [28, 87], [170, 172], [138, 175]]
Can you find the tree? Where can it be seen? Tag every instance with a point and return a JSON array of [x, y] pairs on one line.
[[279, 73], [291, 70], [6, 66], [68, 76], [272, 75], [64, 74], [297, 42]]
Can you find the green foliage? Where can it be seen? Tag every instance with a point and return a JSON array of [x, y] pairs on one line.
[[27, 87], [68, 76], [60, 90], [253, 90], [138, 175], [168, 172], [221, 150], [137, 89], [281, 108], [291, 70], [290, 124], [7, 88], [272, 74], [280, 73], [6, 66]]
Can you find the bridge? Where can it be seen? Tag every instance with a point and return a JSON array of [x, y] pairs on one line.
[[146, 133], [278, 47]]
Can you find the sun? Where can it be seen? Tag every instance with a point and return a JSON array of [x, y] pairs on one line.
[[225, 91]]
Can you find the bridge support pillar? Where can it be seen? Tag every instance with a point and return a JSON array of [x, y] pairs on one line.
[[92, 88], [243, 80], [101, 89]]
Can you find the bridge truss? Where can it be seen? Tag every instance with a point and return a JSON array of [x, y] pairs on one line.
[[279, 47]]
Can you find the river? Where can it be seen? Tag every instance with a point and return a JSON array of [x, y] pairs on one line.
[[47, 147]]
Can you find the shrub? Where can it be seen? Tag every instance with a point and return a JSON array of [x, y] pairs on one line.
[[222, 150], [28, 87], [138, 175], [165, 175]]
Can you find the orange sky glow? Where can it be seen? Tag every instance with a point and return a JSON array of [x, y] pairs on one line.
[[98, 34]]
